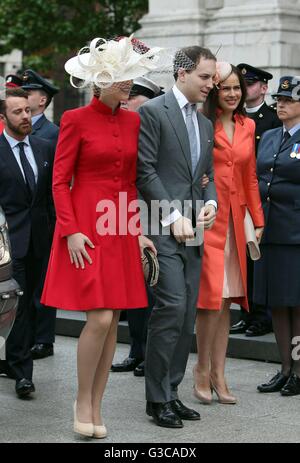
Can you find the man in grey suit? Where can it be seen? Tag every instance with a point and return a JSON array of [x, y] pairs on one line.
[[175, 150]]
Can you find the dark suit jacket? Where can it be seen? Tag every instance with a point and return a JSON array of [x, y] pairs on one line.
[[279, 184], [265, 119], [43, 128], [27, 218]]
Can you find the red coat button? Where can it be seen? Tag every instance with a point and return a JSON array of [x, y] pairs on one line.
[[116, 134], [117, 163], [229, 163], [116, 195], [116, 179]]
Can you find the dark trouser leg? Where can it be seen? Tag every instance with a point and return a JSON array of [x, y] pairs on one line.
[[26, 272], [45, 317], [165, 327], [138, 327], [183, 346]]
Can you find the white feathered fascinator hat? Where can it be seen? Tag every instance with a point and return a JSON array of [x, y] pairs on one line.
[[106, 62]]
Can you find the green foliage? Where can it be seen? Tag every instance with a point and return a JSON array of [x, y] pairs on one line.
[[48, 29]]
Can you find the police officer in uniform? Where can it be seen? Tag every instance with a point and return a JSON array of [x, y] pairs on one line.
[[276, 274], [41, 92], [258, 321]]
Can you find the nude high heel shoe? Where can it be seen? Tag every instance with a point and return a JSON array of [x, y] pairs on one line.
[[85, 429], [100, 431], [226, 399], [203, 396]]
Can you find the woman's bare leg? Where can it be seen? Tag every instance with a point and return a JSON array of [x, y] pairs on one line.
[[90, 349], [102, 371], [219, 347], [207, 322]]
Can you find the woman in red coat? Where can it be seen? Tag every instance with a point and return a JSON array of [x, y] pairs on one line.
[[95, 263], [224, 268]]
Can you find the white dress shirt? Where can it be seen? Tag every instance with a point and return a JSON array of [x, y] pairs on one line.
[[182, 101], [255, 109], [28, 151]]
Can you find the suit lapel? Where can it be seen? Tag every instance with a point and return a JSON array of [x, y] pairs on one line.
[[176, 119], [9, 159], [291, 141], [277, 141], [203, 143]]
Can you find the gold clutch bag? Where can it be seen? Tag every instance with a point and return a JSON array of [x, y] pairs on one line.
[[150, 267], [252, 244]]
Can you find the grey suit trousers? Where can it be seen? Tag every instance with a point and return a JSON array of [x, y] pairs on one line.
[[171, 325]]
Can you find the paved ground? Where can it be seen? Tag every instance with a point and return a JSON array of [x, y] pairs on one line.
[[48, 417]]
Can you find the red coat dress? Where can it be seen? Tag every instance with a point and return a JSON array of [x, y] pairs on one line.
[[237, 188], [99, 150]]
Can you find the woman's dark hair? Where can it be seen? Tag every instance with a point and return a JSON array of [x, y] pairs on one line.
[[211, 105]]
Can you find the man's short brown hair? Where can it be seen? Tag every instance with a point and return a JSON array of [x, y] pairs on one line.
[[188, 58], [12, 92]]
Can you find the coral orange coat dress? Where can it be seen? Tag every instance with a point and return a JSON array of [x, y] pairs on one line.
[[237, 188], [98, 150]]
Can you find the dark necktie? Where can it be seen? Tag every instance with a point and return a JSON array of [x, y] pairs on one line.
[[27, 169], [285, 137]]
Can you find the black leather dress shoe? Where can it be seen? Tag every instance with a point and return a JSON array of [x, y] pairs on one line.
[[239, 327], [139, 370], [41, 351], [292, 386], [163, 415], [128, 364], [24, 387], [184, 412], [258, 329], [275, 384]]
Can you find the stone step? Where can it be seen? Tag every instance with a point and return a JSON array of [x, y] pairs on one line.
[[257, 348]]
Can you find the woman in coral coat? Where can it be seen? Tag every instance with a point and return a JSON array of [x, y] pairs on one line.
[[224, 267], [95, 263]]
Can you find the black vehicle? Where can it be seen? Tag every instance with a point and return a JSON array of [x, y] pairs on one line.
[[9, 288]]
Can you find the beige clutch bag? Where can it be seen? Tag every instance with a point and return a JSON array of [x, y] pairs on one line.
[[252, 244]]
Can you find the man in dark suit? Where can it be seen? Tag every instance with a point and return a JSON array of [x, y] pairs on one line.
[[258, 321], [175, 150], [41, 92], [26, 198]]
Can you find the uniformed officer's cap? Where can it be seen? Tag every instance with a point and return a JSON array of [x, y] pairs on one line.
[[12, 81], [289, 86], [145, 87], [252, 74], [33, 81]]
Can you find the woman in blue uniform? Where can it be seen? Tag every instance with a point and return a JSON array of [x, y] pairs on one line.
[[276, 275]]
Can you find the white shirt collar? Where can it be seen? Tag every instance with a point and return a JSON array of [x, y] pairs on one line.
[[13, 142], [180, 97], [293, 130], [255, 109]]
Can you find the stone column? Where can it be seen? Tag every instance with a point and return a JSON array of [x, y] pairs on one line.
[[175, 23]]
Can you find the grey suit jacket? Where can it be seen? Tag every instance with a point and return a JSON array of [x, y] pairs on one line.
[[164, 162]]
